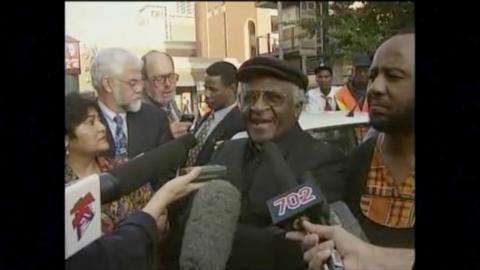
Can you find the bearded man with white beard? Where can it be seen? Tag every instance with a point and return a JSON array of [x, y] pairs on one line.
[[134, 127]]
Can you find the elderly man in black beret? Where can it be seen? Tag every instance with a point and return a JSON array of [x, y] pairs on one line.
[[270, 100]]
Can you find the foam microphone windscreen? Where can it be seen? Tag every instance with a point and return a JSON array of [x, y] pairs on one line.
[[133, 174], [211, 226]]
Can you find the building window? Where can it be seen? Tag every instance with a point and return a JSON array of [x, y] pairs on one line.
[[252, 39], [274, 23]]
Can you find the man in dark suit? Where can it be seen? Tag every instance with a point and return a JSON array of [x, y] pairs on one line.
[[224, 119], [270, 101], [158, 71], [133, 127]]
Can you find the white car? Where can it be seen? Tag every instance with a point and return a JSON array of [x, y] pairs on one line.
[[315, 122], [335, 128]]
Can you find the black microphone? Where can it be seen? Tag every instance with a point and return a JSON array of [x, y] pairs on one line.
[[299, 202], [133, 174], [296, 200], [210, 228]]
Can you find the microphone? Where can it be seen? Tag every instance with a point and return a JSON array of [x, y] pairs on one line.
[[133, 174], [210, 228], [296, 200], [299, 202], [84, 197]]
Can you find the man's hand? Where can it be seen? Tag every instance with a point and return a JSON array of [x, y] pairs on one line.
[[179, 128], [356, 254], [170, 192]]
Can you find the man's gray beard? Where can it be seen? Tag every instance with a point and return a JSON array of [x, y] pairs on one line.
[[133, 106]]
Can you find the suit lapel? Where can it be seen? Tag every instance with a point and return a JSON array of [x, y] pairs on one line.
[[111, 142], [133, 135], [201, 122], [220, 131]]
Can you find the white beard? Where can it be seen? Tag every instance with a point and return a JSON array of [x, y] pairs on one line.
[[134, 106]]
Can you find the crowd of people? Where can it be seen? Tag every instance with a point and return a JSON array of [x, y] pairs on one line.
[[135, 111]]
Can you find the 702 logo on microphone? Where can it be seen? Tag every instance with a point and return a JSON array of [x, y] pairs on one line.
[[293, 202]]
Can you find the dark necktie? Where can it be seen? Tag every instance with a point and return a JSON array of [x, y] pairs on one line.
[[201, 136], [327, 103], [120, 137]]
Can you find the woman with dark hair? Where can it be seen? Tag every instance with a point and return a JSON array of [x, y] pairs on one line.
[[85, 140], [85, 137]]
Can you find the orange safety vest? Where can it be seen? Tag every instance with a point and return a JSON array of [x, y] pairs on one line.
[[347, 102]]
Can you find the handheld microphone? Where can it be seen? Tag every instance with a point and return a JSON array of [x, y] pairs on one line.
[[299, 202], [210, 228], [296, 200], [133, 174], [84, 197]]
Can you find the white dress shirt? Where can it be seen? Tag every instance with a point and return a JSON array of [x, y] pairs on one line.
[[316, 100], [109, 115]]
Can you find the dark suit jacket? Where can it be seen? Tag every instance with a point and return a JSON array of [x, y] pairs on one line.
[[225, 130], [358, 165], [147, 129], [256, 245]]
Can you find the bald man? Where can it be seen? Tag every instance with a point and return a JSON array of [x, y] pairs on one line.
[[380, 188]]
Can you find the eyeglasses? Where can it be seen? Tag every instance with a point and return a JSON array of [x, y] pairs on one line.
[[271, 98], [133, 83], [162, 79]]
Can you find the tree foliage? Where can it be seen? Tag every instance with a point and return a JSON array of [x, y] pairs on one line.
[[348, 31]]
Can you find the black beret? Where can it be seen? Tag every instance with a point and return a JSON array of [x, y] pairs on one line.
[[262, 65]]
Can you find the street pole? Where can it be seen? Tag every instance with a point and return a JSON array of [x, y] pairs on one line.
[[321, 33], [304, 64], [280, 31]]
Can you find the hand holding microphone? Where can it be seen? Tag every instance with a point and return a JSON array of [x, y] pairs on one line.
[[299, 203], [356, 254], [319, 240], [170, 192]]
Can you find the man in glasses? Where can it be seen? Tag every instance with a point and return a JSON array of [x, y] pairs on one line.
[[270, 100], [133, 127], [158, 71]]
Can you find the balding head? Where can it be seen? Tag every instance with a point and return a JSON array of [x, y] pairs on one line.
[[153, 58], [391, 90], [156, 67]]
